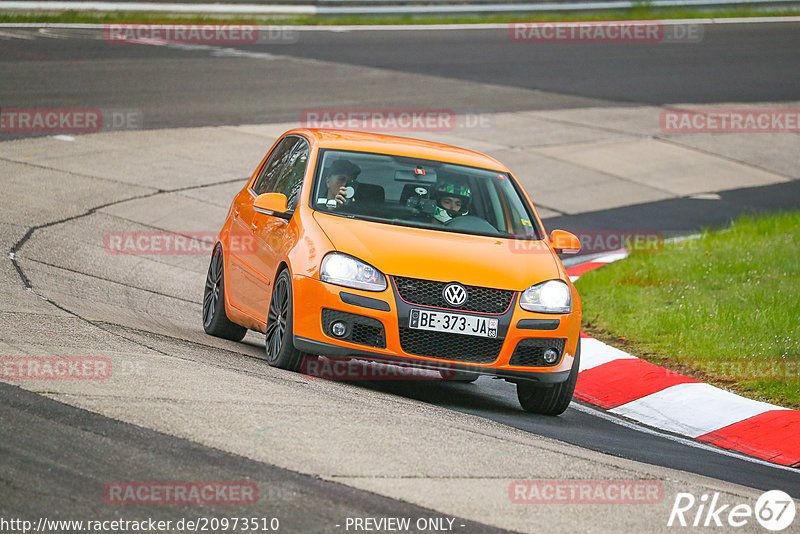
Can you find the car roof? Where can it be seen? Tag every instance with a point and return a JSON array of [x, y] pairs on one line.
[[398, 146]]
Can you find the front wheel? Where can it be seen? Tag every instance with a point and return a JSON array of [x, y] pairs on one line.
[[215, 320], [280, 346], [550, 400]]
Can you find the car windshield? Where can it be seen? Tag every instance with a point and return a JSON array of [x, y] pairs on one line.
[[421, 193]]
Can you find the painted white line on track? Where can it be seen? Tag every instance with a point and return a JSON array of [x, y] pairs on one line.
[[692, 409], [505, 25], [632, 425], [12, 35], [216, 51], [307, 9], [411, 27], [160, 7]]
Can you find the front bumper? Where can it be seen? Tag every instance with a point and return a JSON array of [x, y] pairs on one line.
[[312, 296], [335, 351]]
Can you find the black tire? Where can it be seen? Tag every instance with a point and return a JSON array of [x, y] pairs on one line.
[[550, 400], [280, 346], [459, 376], [215, 320]]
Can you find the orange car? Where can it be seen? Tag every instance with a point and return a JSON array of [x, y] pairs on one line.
[[355, 245]]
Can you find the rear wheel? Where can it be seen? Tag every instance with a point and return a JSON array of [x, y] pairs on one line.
[[280, 347], [215, 320], [550, 400]]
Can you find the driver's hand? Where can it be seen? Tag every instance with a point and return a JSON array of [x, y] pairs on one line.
[[341, 196]]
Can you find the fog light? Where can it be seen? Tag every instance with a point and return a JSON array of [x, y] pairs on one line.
[[339, 329], [550, 356]]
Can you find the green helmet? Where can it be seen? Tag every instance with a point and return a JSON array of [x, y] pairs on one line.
[[450, 189], [455, 190]]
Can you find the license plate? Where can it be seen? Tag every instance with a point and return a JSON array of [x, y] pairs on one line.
[[455, 323]]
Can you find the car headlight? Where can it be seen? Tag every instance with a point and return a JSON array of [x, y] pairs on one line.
[[552, 296], [344, 270]]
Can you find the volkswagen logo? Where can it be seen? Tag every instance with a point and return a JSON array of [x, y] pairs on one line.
[[455, 294]]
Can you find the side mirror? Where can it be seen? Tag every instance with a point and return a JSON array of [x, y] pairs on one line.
[[565, 242], [271, 204]]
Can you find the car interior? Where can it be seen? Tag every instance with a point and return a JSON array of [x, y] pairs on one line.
[[402, 190]]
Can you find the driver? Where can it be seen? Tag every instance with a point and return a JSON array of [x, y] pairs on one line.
[[338, 174], [452, 200]]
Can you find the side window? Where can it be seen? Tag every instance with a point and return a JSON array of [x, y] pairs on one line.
[[265, 183], [290, 179]]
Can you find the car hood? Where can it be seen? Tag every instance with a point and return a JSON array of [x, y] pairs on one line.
[[435, 255]]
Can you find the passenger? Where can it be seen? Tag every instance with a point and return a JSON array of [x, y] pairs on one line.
[[337, 175]]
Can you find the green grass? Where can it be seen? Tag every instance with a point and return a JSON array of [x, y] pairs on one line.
[[724, 308], [642, 12]]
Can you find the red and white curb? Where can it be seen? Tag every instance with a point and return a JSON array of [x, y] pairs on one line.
[[630, 387]]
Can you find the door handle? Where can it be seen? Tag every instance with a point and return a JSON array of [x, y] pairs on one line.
[[235, 213], [254, 226]]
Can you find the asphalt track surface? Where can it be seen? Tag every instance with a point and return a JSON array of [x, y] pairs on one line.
[[182, 87], [732, 63], [60, 455], [741, 63], [496, 400]]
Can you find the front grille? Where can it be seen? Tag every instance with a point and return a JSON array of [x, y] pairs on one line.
[[530, 352], [429, 293], [456, 347], [360, 329]]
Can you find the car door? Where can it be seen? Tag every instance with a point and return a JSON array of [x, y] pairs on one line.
[[242, 271], [271, 235]]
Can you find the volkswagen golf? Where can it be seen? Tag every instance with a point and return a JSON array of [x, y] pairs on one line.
[[354, 245]]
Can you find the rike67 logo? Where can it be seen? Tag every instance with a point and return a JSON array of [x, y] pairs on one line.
[[774, 510]]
